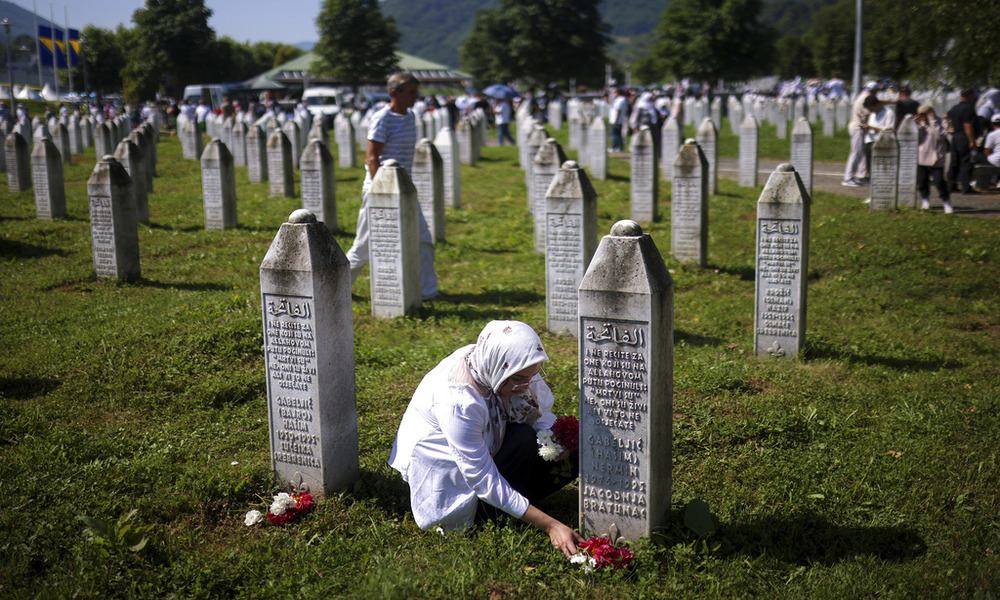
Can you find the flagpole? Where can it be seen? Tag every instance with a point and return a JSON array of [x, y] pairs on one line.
[[38, 44], [69, 53], [55, 48]]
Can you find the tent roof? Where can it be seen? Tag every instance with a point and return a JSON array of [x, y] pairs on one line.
[[428, 72]]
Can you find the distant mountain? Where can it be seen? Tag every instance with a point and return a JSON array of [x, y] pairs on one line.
[[305, 46], [436, 29]]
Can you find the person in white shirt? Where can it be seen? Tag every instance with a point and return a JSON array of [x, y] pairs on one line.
[[201, 113], [991, 148], [467, 442], [618, 117]]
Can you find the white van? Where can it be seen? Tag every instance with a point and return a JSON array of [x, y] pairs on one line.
[[323, 102]]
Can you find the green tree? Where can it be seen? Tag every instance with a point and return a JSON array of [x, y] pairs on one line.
[[356, 43], [711, 39], [547, 42], [174, 39], [832, 39], [103, 57], [793, 57]]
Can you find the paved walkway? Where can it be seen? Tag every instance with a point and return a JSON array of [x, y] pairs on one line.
[[828, 175]]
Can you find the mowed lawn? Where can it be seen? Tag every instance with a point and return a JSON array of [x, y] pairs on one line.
[[868, 467]]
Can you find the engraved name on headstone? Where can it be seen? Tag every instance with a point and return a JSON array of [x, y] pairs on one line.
[[570, 241], [782, 265], [626, 380], [885, 172], [393, 218], [319, 190], [218, 184], [689, 206], [305, 286], [113, 226], [907, 135], [428, 178], [47, 175]]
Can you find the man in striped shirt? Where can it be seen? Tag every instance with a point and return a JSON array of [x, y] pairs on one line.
[[392, 134]]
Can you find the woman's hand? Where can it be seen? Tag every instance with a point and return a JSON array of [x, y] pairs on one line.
[[565, 539], [561, 536]]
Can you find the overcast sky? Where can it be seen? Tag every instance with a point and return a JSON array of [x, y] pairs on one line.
[[289, 21]]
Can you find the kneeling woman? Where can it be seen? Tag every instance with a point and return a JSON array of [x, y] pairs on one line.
[[467, 443]]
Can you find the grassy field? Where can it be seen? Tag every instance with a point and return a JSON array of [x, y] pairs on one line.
[[867, 468]]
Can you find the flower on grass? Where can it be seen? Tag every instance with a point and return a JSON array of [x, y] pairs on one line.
[[548, 447], [284, 509], [597, 553]]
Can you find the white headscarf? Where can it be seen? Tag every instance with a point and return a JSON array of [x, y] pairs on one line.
[[503, 349]]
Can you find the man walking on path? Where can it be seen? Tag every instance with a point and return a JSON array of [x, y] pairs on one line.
[[965, 127], [392, 134]]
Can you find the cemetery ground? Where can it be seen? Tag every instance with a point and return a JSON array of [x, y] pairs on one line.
[[866, 468]]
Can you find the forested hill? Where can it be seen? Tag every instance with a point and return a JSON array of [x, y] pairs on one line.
[[435, 29]]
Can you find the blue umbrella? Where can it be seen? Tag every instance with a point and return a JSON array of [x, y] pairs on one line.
[[499, 90]]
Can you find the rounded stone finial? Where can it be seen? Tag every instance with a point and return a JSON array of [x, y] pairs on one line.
[[107, 158], [570, 164], [626, 228], [690, 141], [302, 215], [392, 162], [785, 168]]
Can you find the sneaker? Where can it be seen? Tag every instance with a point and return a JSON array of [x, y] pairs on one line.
[[947, 208], [863, 180], [850, 183], [925, 204], [866, 201]]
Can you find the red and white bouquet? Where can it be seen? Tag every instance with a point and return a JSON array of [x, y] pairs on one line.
[[598, 553], [284, 508], [562, 437]]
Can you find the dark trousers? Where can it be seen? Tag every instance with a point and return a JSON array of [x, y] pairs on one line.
[[960, 172], [924, 177], [527, 472]]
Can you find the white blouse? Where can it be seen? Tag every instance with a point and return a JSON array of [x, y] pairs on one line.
[[442, 448]]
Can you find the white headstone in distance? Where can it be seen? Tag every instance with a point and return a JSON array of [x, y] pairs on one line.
[[885, 172], [47, 175], [802, 152], [294, 134], [689, 206], [735, 118], [708, 140], [104, 145], [671, 139], [305, 288], [570, 241], [393, 218], [716, 113], [447, 146], [239, 135], [463, 136], [128, 154], [749, 133], [60, 137], [218, 186], [428, 178], [597, 149], [782, 265], [555, 113], [113, 226], [343, 132], [645, 179], [907, 135], [533, 141], [75, 134], [626, 386], [256, 154], [549, 158], [319, 189], [280, 168], [827, 111], [18, 158]]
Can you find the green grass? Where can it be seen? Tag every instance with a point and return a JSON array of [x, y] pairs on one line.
[[867, 468]]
